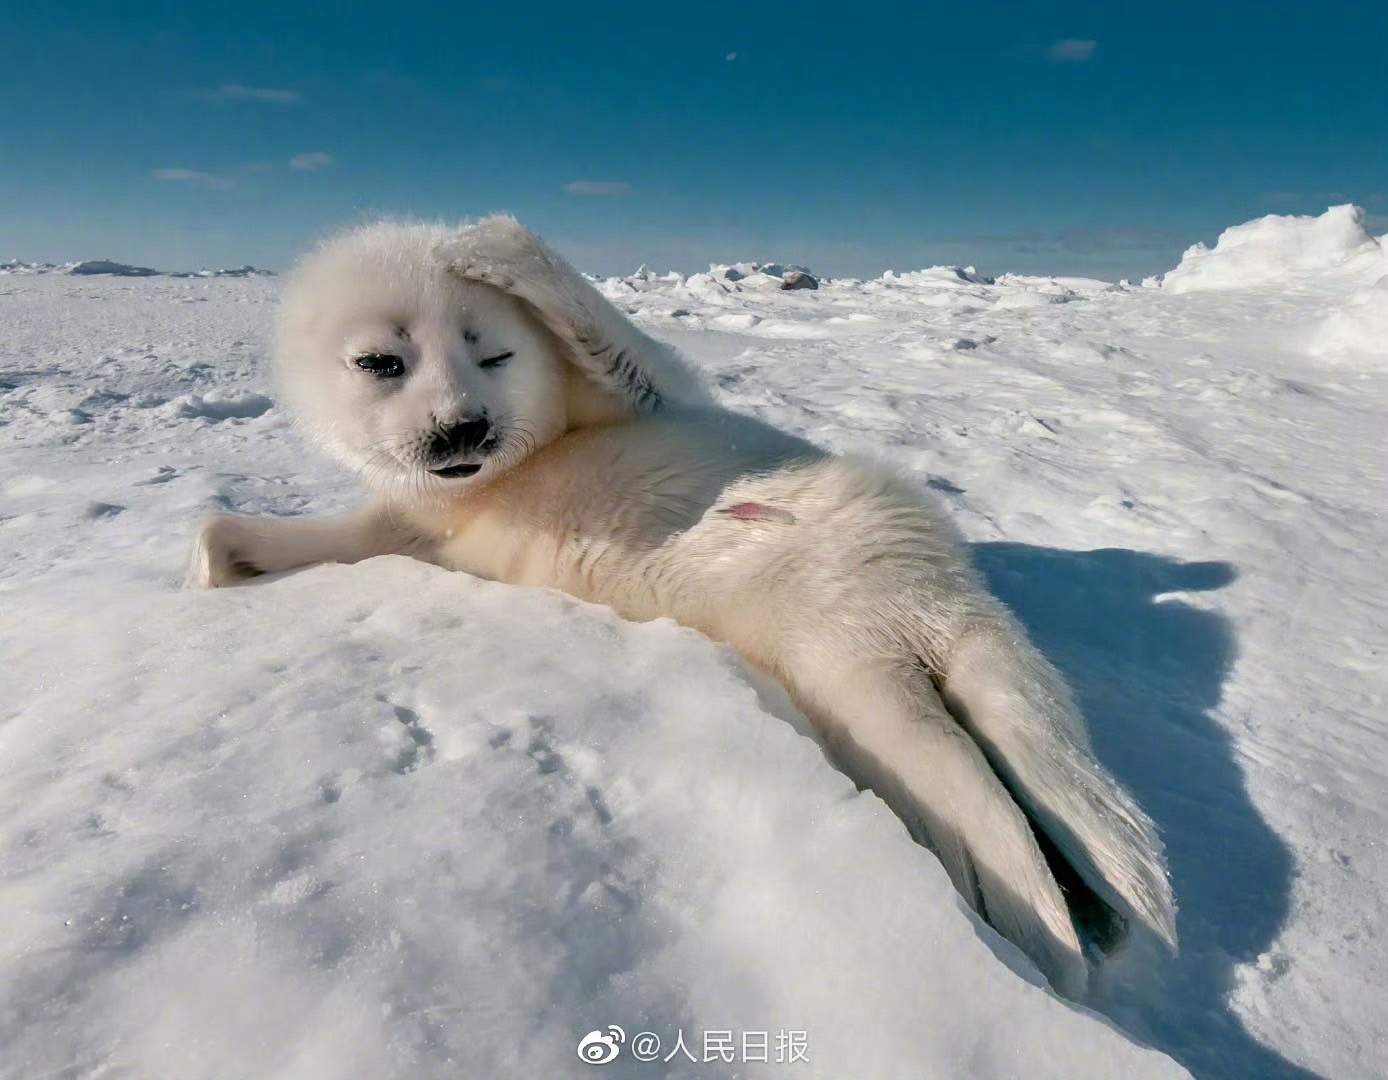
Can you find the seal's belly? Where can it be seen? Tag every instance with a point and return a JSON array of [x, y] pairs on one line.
[[719, 523], [675, 518], [645, 556]]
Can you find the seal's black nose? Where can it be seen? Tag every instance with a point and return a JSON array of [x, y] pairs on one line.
[[461, 438]]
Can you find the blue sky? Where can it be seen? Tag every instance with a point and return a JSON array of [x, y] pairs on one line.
[[1070, 138]]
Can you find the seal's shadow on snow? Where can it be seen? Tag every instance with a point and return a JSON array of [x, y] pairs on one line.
[[1148, 667]]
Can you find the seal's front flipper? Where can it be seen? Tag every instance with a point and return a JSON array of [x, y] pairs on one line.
[[231, 549], [643, 374]]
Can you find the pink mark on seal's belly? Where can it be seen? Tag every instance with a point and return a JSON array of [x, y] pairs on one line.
[[751, 511]]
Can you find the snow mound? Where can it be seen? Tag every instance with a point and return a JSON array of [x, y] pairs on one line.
[[220, 405], [741, 270], [1034, 298], [1052, 283], [237, 271], [17, 266], [1278, 248], [1359, 325], [726, 279], [937, 276], [106, 266]]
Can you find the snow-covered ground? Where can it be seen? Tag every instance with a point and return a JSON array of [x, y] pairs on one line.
[[385, 821]]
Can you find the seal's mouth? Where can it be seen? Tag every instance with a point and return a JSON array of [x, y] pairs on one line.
[[452, 472]]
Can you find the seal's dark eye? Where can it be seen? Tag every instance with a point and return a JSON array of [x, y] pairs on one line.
[[382, 365], [495, 361]]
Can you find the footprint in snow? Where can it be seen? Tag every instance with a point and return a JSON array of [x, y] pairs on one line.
[[162, 475], [420, 750]]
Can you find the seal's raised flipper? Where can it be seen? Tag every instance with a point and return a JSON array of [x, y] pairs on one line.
[[608, 348]]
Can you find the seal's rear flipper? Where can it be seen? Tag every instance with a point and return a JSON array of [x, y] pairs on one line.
[[892, 729], [1015, 705]]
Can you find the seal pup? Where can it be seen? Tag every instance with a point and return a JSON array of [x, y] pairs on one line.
[[512, 424]]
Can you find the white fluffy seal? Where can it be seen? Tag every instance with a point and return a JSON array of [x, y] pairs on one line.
[[514, 425]]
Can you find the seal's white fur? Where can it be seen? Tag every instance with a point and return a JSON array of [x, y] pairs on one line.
[[606, 479]]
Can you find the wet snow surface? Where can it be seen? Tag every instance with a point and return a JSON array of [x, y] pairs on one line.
[[385, 821]]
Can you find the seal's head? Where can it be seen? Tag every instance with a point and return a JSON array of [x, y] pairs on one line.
[[430, 357], [408, 373]]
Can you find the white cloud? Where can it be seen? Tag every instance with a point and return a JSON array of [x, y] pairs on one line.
[[237, 92], [730, 57], [1072, 50], [597, 187], [193, 176], [311, 162]]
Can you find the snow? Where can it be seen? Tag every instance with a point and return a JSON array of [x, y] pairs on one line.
[[221, 404], [1358, 325], [1333, 251], [88, 267], [106, 266], [1277, 248], [383, 820]]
